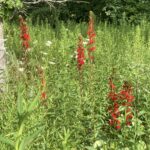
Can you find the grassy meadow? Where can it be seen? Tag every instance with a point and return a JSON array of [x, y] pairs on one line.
[[74, 116]]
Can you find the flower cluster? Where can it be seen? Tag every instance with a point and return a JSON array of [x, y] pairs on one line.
[[80, 53], [91, 36], [124, 98], [25, 37], [126, 95], [114, 110]]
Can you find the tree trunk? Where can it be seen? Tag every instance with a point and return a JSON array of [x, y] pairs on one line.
[[2, 57]]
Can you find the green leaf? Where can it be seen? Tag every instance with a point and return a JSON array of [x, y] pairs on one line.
[[20, 101], [90, 148], [29, 139], [6, 141], [141, 113], [34, 103]]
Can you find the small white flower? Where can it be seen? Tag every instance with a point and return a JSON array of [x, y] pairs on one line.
[[29, 49], [52, 63], [85, 42], [44, 53], [48, 43], [20, 69], [97, 144]]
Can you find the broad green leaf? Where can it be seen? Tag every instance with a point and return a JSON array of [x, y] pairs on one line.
[[34, 103], [6, 141], [20, 101], [90, 148], [141, 113], [29, 139]]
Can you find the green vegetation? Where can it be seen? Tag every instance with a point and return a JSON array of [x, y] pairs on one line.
[[69, 119]]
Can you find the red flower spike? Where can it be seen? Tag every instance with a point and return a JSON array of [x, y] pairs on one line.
[[118, 127], [111, 85], [24, 33], [43, 95], [80, 53], [111, 122], [128, 123], [113, 96], [126, 95]]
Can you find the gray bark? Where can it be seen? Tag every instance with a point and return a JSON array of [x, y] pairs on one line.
[[2, 57]]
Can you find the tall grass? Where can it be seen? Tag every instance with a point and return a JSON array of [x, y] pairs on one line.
[[122, 52]]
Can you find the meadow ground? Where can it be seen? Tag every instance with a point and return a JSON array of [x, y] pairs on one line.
[[74, 113]]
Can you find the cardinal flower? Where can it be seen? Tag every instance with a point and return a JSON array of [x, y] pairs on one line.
[[24, 34]]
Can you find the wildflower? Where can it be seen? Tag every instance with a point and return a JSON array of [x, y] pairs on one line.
[[91, 36], [118, 127], [43, 95], [24, 33], [113, 96], [43, 83], [80, 53], [44, 53], [111, 85], [21, 69], [51, 63], [48, 43], [85, 43]]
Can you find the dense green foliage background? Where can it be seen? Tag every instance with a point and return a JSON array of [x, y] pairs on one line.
[[132, 11], [111, 10], [73, 121]]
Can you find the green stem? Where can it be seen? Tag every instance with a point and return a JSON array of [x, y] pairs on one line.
[[19, 136]]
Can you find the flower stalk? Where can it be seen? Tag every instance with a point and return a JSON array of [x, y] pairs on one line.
[[91, 37], [124, 98]]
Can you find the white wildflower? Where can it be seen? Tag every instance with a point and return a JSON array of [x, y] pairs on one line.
[[85, 42], [97, 144], [52, 63], [44, 53], [20, 69], [48, 43]]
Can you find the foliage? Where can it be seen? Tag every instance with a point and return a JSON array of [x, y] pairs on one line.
[[7, 5], [72, 120]]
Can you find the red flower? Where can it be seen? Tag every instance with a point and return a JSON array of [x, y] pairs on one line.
[[43, 95], [24, 33], [25, 44], [113, 96], [118, 127], [126, 95], [25, 36], [111, 122], [43, 83], [128, 123], [111, 85]]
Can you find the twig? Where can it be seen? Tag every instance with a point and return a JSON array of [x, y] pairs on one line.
[[52, 1]]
